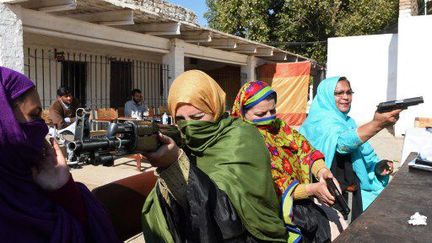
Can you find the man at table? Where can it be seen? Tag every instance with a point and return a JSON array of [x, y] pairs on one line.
[[135, 107], [62, 111]]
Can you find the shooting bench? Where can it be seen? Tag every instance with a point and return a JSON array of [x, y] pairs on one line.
[[124, 200], [386, 219]]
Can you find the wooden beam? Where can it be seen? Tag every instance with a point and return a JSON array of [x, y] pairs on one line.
[[158, 29], [246, 49], [264, 52], [62, 27], [280, 56], [197, 36], [211, 54], [50, 5], [222, 44], [116, 17], [12, 1], [293, 58]]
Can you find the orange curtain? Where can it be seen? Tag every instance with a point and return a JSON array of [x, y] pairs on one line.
[[291, 82]]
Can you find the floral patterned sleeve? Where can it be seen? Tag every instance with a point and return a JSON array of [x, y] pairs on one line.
[[293, 163], [306, 153]]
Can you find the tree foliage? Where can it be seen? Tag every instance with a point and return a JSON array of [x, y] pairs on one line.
[[302, 26], [247, 19]]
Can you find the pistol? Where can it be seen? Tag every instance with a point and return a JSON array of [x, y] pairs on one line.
[[340, 200], [398, 104]]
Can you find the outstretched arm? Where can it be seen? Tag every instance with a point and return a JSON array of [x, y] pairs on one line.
[[379, 122]]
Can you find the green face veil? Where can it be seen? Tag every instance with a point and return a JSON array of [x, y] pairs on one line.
[[233, 155]]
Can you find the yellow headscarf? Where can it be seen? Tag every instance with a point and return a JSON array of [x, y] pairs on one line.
[[198, 89]]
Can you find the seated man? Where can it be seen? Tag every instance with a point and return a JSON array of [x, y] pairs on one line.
[[135, 106], [62, 111]]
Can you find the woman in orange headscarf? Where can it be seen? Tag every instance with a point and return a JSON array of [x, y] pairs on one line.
[[222, 190]]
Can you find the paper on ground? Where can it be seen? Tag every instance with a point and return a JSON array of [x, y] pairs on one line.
[[417, 219]]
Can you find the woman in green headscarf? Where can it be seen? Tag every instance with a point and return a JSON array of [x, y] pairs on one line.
[[222, 190]]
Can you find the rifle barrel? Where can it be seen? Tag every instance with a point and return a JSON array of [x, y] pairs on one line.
[[98, 144]]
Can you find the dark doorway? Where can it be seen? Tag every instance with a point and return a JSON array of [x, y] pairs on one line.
[[121, 83], [74, 75], [228, 78]]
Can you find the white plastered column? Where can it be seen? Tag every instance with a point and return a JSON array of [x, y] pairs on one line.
[[248, 71], [175, 60], [11, 38]]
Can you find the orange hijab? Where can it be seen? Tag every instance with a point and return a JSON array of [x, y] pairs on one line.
[[198, 89]]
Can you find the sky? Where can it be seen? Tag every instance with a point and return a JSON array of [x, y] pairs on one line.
[[197, 6]]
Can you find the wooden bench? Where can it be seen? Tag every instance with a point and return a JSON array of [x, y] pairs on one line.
[[386, 218], [124, 200]]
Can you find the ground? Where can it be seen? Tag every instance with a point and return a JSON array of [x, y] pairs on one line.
[[387, 146]]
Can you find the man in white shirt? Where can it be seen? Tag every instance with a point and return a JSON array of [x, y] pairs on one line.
[[135, 107]]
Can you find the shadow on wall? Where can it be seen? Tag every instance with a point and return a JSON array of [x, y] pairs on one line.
[[392, 74], [392, 68]]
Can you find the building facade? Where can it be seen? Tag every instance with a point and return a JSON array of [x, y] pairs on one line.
[[104, 48]]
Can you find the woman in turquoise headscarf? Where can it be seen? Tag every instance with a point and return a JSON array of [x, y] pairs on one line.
[[222, 190], [329, 128]]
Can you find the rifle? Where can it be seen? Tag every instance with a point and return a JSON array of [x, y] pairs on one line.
[[398, 104], [120, 139], [340, 200]]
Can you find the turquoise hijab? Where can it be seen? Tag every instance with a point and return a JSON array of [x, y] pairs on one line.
[[323, 127]]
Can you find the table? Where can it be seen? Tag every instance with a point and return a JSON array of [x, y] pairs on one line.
[[386, 219]]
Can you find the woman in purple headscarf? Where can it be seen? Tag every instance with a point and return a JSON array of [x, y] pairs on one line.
[[39, 201]]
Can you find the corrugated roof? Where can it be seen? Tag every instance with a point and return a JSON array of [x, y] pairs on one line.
[[159, 18]]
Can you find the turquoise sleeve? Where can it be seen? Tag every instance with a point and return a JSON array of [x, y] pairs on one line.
[[348, 141]]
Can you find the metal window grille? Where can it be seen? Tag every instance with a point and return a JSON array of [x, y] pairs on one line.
[[50, 68]]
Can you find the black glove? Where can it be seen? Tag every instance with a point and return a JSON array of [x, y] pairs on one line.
[[381, 166]]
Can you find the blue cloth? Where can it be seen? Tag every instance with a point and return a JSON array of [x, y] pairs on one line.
[[132, 109], [348, 142], [331, 130]]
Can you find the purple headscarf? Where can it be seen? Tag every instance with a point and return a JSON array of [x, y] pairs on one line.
[[12, 136], [26, 212]]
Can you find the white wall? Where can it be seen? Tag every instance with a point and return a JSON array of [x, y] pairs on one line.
[[11, 38], [248, 72], [415, 67], [175, 60], [370, 63]]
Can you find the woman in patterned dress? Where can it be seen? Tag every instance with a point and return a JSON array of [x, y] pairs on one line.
[[298, 170]]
